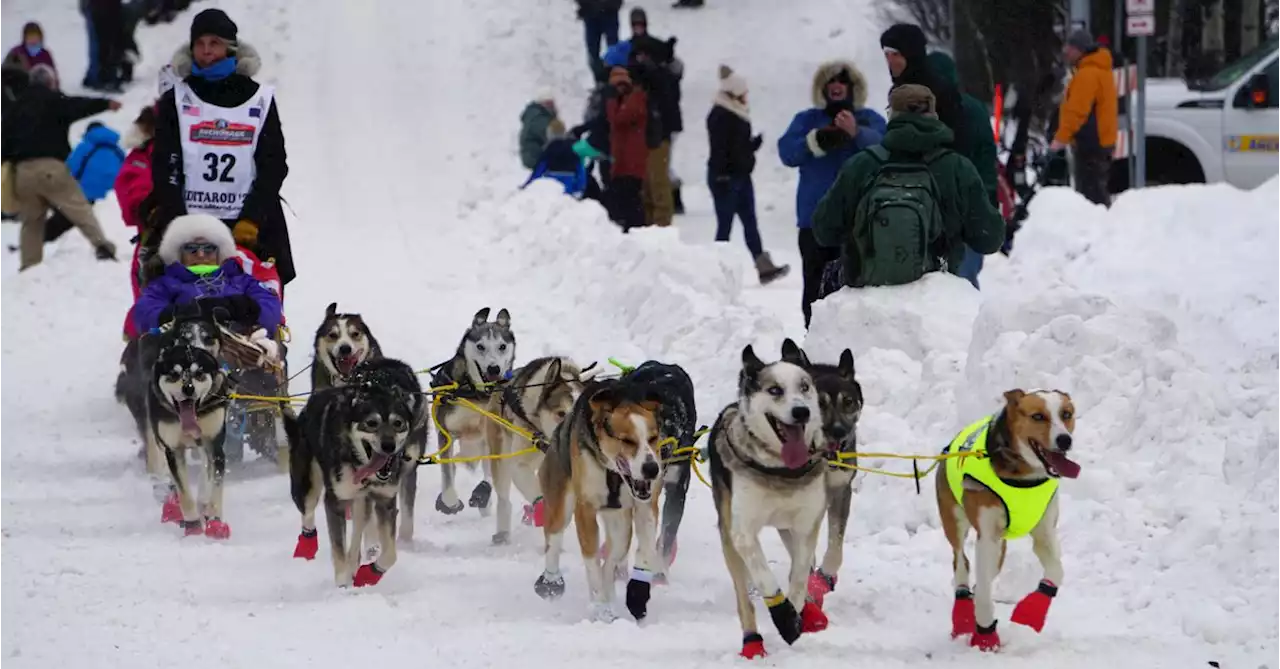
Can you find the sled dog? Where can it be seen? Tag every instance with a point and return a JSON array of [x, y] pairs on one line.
[[342, 341], [1007, 490], [768, 469]]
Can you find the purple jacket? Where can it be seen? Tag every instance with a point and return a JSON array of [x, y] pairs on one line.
[[20, 54], [179, 286]]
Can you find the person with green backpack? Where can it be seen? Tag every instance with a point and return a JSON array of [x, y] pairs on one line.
[[907, 207]]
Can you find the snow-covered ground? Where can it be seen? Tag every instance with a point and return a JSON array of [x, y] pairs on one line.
[[1160, 316]]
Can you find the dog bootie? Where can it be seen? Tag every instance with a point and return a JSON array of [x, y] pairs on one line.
[[448, 510], [534, 514], [216, 529], [986, 639], [191, 528], [784, 617], [753, 646], [480, 495], [1033, 608], [171, 511], [812, 619], [819, 585], [963, 619], [308, 545], [367, 574], [549, 586], [638, 593]]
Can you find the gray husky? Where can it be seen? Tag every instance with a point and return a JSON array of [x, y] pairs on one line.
[[768, 470], [483, 360]]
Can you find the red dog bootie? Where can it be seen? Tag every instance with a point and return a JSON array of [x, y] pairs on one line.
[[753, 647], [216, 529], [812, 619], [819, 585], [191, 528], [963, 618], [986, 639], [171, 511], [308, 545], [534, 514], [367, 574], [1033, 608]]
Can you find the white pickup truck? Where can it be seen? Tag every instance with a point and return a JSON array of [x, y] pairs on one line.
[[1223, 128]]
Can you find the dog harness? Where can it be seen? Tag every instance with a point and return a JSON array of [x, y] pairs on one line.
[[1024, 506]]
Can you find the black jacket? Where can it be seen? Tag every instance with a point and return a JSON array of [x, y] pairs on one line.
[[262, 204], [947, 97], [660, 77], [38, 121], [733, 150]]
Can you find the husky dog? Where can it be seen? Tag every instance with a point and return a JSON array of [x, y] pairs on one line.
[[342, 341], [186, 409], [605, 460], [1007, 490], [351, 442], [538, 397], [840, 397], [484, 358], [767, 469]]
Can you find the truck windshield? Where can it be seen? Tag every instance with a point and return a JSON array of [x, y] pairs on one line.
[[1233, 70]]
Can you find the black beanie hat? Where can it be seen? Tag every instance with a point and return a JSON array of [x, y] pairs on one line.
[[638, 16], [213, 22], [907, 39]]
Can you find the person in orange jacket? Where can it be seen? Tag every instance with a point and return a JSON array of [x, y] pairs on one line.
[[1087, 118]]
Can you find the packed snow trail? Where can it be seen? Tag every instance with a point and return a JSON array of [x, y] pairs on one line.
[[400, 120]]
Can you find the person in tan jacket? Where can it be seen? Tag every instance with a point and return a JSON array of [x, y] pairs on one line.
[[1087, 117]]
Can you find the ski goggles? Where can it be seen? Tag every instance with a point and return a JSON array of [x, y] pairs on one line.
[[199, 247]]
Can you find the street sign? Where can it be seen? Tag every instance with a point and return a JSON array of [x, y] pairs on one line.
[[1140, 25], [1139, 6]]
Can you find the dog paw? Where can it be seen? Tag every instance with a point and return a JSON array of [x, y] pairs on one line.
[[501, 538], [819, 585], [549, 586], [753, 646], [216, 529], [171, 510], [986, 639], [812, 619], [602, 613], [191, 528], [480, 495], [784, 618], [446, 509], [308, 545], [533, 513], [1033, 608], [963, 618], [638, 589], [367, 574]]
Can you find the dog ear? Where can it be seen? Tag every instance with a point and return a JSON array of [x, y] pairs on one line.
[[751, 363], [481, 317], [331, 310], [794, 354], [1011, 397], [651, 405], [845, 368], [603, 400], [504, 318]]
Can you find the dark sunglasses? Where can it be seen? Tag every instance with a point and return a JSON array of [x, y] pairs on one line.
[[196, 247]]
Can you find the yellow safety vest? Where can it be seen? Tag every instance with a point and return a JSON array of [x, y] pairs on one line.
[[1023, 507]]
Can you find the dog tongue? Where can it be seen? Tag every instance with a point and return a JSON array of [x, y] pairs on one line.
[[795, 453], [347, 364], [187, 414], [1065, 466], [373, 465]]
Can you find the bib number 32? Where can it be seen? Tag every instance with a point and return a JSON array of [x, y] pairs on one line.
[[219, 167]]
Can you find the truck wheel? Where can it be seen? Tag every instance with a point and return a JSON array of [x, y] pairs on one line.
[[1169, 162]]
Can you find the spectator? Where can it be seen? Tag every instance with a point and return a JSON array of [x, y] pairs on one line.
[[818, 141], [1087, 117], [108, 21], [942, 204], [657, 70], [94, 163], [534, 120], [35, 130], [599, 19], [904, 48], [978, 144], [729, 165], [32, 51], [133, 187], [627, 114]]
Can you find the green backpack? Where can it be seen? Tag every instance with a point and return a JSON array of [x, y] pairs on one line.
[[898, 231]]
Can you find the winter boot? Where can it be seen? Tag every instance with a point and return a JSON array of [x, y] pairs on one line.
[[768, 271], [677, 200], [105, 251]]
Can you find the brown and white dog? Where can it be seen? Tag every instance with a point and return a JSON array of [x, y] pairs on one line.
[[1006, 491], [605, 460]]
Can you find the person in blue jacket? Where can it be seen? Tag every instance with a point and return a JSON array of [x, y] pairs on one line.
[[94, 163], [818, 141]]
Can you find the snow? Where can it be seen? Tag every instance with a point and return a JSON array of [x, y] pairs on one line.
[[1159, 316]]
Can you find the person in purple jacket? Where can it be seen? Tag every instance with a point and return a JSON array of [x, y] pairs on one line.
[[201, 267], [32, 52], [818, 141]]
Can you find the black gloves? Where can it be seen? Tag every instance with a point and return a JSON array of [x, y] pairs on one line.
[[757, 141], [236, 308], [830, 138]]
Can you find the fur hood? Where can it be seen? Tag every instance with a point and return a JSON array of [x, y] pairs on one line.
[[191, 226], [248, 62], [830, 69]]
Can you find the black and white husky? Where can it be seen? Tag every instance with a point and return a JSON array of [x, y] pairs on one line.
[[186, 409], [768, 469], [342, 341], [484, 357], [350, 442]]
